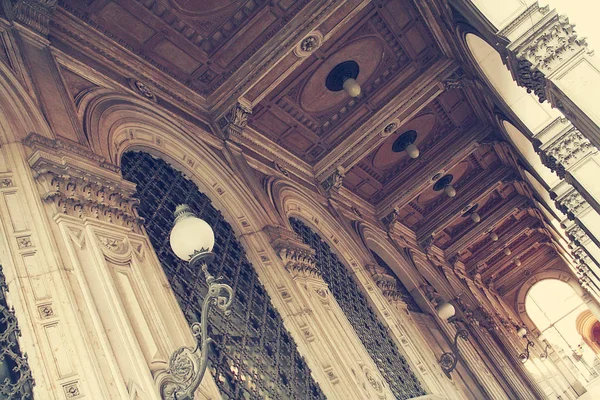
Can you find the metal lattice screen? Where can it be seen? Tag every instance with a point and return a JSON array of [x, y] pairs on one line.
[[254, 357], [373, 334], [16, 381], [405, 295]]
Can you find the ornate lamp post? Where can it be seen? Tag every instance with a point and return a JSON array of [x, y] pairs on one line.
[[449, 359], [192, 240]]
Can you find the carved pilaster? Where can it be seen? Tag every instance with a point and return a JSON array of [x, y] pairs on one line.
[[235, 121], [82, 184], [35, 14], [298, 258]]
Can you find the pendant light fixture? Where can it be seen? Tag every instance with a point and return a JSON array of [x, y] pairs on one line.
[[406, 142], [343, 77], [444, 184]]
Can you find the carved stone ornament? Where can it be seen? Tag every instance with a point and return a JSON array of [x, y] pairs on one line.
[[457, 80], [571, 204], [531, 79], [569, 148], [309, 44], [234, 122], [577, 235], [35, 14], [385, 282], [117, 246], [555, 43], [80, 186], [298, 257], [334, 182], [141, 88]]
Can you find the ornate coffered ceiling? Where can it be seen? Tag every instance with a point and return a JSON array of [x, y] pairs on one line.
[[272, 58]]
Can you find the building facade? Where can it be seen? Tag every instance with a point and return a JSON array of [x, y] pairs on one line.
[[460, 168]]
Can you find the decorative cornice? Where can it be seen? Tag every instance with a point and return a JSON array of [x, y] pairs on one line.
[[35, 14], [569, 148], [571, 204]]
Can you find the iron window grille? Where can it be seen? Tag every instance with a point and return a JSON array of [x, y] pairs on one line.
[[253, 356], [373, 334], [16, 381]]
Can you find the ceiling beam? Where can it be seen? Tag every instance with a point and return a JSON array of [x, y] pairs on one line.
[[425, 167], [508, 207], [478, 188], [480, 257]]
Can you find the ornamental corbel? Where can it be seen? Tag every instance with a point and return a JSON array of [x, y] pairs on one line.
[[233, 123], [35, 14], [334, 182]]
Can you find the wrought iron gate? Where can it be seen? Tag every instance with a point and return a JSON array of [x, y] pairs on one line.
[[16, 381], [254, 357], [373, 334]]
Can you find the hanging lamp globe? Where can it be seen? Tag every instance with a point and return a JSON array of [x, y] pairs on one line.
[[494, 237], [445, 310], [191, 237]]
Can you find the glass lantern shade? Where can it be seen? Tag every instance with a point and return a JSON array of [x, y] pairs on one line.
[[351, 87], [450, 191], [412, 151], [522, 331], [475, 217], [445, 310], [494, 237], [190, 235]]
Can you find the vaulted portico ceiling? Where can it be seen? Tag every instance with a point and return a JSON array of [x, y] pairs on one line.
[[273, 57]]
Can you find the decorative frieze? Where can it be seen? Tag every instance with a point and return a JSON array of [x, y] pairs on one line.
[[235, 121], [569, 148], [81, 184]]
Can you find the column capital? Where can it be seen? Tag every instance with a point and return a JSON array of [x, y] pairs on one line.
[[80, 183], [233, 123], [298, 257]]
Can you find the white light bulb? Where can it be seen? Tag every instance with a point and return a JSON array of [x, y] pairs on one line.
[[351, 87], [518, 262], [190, 235], [507, 251], [475, 217], [494, 237], [412, 151], [522, 331], [445, 310], [450, 191]]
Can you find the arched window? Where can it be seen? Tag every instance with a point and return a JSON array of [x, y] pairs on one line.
[[554, 307], [253, 357], [373, 334]]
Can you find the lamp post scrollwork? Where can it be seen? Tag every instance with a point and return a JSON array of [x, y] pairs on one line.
[[192, 240], [449, 359]]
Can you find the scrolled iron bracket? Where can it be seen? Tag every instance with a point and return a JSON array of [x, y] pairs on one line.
[[449, 359], [524, 356], [188, 365]]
